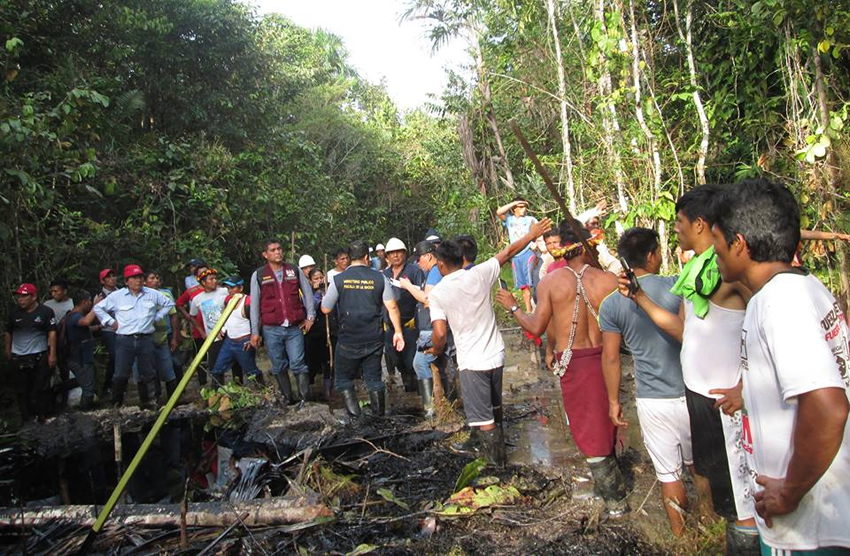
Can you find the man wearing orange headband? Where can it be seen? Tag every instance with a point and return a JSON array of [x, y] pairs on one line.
[[569, 299]]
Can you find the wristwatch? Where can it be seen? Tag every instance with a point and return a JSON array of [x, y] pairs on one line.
[[514, 309]]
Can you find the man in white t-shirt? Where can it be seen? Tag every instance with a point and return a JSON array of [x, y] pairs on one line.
[[236, 345], [463, 301], [210, 304], [794, 356]]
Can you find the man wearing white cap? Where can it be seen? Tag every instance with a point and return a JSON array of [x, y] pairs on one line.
[[399, 268], [306, 264]]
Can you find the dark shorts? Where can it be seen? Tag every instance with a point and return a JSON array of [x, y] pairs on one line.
[[482, 394], [709, 446]]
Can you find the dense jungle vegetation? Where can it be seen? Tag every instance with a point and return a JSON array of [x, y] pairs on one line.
[[158, 130]]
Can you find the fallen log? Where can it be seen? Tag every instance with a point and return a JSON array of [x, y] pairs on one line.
[[276, 511]]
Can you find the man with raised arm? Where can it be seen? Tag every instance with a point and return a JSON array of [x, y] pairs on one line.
[[517, 220], [463, 301], [709, 327], [660, 391], [570, 299]]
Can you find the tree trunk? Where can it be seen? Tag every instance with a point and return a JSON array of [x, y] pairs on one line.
[[610, 122], [489, 115], [831, 167], [687, 38], [567, 167], [275, 511], [650, 137]]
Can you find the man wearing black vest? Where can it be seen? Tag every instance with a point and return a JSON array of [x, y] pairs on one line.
[[277, 291], [362, 293], [398, 269]]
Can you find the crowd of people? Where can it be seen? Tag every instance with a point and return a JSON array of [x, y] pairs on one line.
[[740, 361]]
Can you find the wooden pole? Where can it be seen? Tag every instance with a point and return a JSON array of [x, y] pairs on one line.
[[328, 324], [292, 248], [577, 230]]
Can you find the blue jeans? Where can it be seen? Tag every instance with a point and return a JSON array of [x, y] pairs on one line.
[[285, 346], [84, 373], [163, 362], [138, 348], [422, 361], [348, 358], [234, 351]]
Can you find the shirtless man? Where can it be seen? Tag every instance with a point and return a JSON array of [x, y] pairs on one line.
[[569, 298], [709, 327]]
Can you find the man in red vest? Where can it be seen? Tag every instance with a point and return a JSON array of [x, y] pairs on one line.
[[278, 311]]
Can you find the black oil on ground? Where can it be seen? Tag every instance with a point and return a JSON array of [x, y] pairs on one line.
[[386, 480]]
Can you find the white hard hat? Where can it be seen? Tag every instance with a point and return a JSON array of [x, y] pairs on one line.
[[379, 247], [306, 260], [395, 244]]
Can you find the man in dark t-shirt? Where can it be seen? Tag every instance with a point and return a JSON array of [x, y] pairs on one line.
[[31, 348], [81, 347]]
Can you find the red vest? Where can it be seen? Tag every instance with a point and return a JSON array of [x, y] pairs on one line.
[[280, 301]]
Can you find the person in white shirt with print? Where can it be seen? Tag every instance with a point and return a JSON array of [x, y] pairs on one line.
[[794, 355]]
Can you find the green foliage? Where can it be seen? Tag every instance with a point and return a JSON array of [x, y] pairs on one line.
[[154, 132]]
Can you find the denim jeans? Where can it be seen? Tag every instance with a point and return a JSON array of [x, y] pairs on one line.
[[163, 362], [285, 346], [234, 351], [138, 349], [348, 358], [422, 361], [84, 373]]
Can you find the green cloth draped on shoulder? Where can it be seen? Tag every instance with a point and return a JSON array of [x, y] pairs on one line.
[[698, 281]]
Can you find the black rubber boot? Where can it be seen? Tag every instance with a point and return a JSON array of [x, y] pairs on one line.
[[609, 484], [378, 402], [351, 404], [144, 395], [741, 541], [261, 380], [303, 386], [86, 403], [493, 446], [471, 447], [170, 387], [328, 389], [426, 392], [285, 386], [119, 386], [217, 380], [408, 377]]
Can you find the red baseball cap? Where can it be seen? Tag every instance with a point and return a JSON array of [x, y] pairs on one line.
[[26, 289], [132, 270], [105, 272]]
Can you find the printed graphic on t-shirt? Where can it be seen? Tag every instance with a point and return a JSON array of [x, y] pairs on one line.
[[211, 310], [834, 336]]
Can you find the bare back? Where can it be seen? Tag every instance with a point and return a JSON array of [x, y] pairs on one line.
[[559, 289]]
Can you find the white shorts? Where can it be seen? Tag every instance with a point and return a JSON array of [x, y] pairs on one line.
[[738, 471], [666, 429]]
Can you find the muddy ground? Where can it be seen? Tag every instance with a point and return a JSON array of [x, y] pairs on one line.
[[388, 494]]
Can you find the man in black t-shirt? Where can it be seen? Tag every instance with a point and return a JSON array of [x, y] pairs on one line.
[[31, 348]]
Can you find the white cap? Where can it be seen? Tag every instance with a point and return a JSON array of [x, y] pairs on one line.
[[379, 247], [395, 244], [432, 238], [306, 260]]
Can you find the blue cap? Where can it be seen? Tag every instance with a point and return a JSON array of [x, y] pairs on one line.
[[233, 281]]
